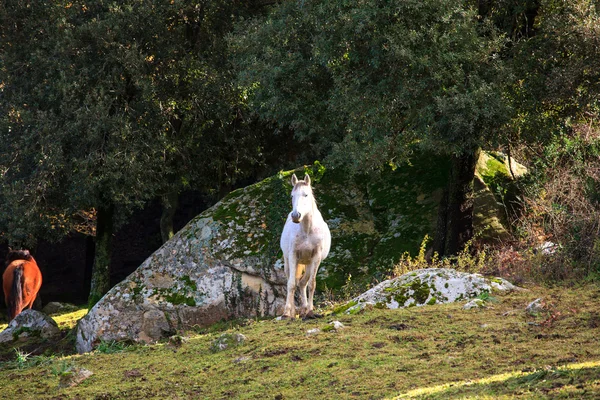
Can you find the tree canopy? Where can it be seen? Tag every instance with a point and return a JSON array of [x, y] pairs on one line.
[[372, 78], [107, 105]]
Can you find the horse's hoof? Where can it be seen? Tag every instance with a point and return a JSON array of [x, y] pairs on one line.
[[311, 315]]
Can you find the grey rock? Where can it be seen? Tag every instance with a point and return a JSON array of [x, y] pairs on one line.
[[74, 377], [313, 332], [196, 279], [226, 341], [535, 307], [426, 287], [30, 322], [475, 303], [337, 325]]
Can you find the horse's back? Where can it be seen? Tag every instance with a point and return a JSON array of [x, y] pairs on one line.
[[32, 272], [32, 276], [326, 239]]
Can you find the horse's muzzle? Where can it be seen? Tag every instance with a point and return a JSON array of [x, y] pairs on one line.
[[296, 217]]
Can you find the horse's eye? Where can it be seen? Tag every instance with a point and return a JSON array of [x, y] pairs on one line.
[[305, 195]]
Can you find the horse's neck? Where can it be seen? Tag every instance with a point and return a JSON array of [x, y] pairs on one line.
[[307, 221]]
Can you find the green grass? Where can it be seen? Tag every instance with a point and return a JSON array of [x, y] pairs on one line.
[[430, 352]]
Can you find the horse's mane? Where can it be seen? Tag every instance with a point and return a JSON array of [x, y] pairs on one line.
[[18, 255]]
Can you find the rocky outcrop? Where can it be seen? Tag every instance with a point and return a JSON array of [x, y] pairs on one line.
[[199, 277], [426, 287], [227, 263], [30, 323]]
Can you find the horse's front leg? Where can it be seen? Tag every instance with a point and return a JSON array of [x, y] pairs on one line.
[[291, 264], [302, 284]]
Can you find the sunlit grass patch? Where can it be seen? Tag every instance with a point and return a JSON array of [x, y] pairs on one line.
[[569, 381], [439, 351], [70, 319]]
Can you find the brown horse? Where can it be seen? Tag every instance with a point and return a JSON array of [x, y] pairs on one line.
[[22, 280]]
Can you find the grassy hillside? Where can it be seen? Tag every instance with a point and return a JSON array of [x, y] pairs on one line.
[[438, 352]]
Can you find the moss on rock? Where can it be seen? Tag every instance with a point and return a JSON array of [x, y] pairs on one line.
[[426, 287]]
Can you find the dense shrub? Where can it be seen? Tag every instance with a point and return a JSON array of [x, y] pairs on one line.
[[558, 228]]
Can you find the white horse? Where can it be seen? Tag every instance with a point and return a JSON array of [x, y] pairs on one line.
[[305, 242]]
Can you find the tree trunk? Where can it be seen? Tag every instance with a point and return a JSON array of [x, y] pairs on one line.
[[455, 215], [103, 250], [169, 203]]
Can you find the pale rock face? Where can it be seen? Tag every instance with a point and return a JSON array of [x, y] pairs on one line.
[[35, 321], [193, 280], [427, 286]]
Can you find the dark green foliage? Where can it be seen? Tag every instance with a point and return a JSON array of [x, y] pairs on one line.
[[113, 346], [371, 77], [115, 104], [109, 105]]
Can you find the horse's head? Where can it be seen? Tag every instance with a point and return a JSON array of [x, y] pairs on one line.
[[302, 198]]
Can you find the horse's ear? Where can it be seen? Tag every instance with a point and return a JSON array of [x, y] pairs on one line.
[[307, 179], [294, 180]]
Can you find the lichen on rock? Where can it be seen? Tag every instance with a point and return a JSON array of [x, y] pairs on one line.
[[426, 287], [30, 323]]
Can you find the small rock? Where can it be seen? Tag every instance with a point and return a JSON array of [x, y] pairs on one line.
[[312, 332], [74, 377], [475, 303], [337, 325], [176, 341], [535, 307], [548, 248], [227, 340], [27, 322]]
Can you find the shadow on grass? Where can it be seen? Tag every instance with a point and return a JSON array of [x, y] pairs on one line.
[[580, 381]]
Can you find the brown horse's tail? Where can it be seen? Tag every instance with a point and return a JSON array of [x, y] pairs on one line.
[[16, 294]]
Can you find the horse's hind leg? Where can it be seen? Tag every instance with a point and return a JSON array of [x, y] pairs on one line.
[[309, 282], [312, 284], [302, 284]]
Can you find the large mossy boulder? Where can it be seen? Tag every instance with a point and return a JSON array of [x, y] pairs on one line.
[[226, 262]]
